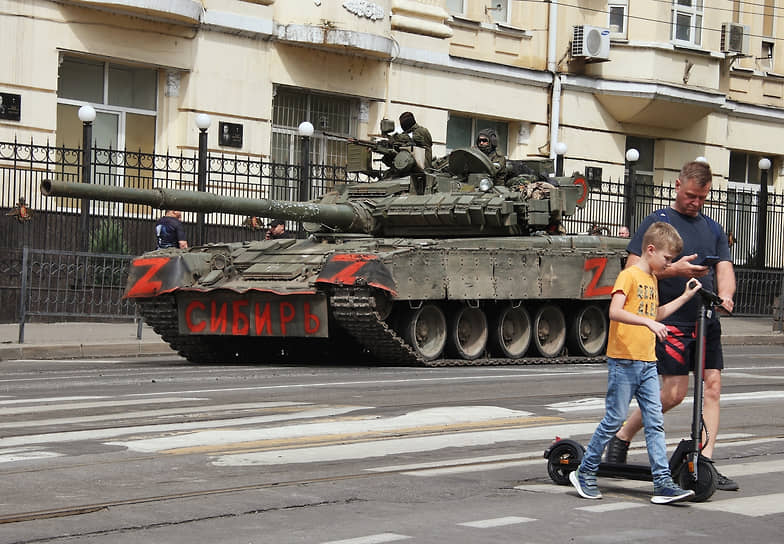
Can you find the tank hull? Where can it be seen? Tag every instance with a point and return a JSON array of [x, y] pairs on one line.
[[465, 301]]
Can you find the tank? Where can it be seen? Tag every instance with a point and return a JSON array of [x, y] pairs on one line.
[[438, 266]]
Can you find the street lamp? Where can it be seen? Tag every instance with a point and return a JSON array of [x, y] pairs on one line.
[[86, 116], [762, 217], [560, 151], [632, 156], [305, 131], [202, 123], [701, 159]]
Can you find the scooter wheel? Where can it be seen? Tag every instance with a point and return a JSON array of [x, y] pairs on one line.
[[563, 459], [705, 485]]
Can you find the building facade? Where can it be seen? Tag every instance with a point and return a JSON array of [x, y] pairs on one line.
[[675, 79]]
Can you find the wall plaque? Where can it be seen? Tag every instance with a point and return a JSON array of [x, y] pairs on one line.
[[10, 106], [230, 134]]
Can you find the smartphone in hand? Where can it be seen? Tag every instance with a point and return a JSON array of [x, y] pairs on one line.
[[710, 260]]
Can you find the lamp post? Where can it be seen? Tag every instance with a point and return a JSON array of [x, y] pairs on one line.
[[560, 151], [203, 123], [305, 131], [632, 156], [762, 217], [86, 116]]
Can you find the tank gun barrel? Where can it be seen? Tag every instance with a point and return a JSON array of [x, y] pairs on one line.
[[349, 217]]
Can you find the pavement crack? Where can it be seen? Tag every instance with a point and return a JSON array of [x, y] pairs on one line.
[[150, 526]]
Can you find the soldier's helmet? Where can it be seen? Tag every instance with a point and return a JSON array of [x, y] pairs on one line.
[[487, 140], [407, 121]]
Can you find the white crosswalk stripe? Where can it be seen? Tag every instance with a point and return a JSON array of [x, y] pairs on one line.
[[496, 522], [265, 432]]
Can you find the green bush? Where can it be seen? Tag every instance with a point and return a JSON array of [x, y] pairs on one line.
[[107, 237]]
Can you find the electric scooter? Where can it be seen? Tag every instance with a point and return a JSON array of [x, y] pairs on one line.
[[689, 469]]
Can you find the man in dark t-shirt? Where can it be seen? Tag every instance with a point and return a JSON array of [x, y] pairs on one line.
[[169, 231], [702, 237]]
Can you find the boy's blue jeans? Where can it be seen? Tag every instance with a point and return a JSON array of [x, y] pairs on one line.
[[627, 379]]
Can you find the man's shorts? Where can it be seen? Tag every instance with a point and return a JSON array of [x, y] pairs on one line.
[[677, 353]]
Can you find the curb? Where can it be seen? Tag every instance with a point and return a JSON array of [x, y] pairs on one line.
[[78, 351]]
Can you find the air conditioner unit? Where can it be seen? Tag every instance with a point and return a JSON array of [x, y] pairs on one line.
[[591, 42], [734, 38]]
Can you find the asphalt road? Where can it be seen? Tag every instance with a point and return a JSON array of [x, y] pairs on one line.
[[159, 450]]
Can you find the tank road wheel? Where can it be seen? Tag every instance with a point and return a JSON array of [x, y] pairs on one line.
[[510, 332], [467, 333], [587, 331], [549, 330], [425, 331]]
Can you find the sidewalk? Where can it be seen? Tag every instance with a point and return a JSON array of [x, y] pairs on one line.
[[76, 340]]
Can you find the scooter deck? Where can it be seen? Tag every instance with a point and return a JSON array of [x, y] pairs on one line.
[[625, 471]]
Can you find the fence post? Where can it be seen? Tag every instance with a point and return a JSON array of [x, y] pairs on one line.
[[23, 295], [86, 116], [632, 156], [778, 313]]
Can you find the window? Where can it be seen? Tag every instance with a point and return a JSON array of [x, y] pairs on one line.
[[327, 113], [744, 170], [766, 56], [455, 7], [125, 101], [617, 18], [687, 21], [498, 10], [461, 132]]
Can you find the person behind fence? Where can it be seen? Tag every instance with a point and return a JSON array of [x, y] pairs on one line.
[[702, 237], [631, 364], [277, 229], [170, 232]]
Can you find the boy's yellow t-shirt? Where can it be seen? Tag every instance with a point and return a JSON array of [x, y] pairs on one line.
[[642, 298]]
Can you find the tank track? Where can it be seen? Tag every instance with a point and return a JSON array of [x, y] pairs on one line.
[[355, 311]]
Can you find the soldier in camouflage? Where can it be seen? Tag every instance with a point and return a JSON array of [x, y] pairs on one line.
[[415, 134], [487, 142]]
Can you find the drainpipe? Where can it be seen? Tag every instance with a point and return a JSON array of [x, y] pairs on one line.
[[552, 67]]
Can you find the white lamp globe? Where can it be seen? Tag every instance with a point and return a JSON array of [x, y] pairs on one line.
[[203, 121], [764, 164], [305, 129], [632, 155], [87, 114], [701, 159], [560, 148]]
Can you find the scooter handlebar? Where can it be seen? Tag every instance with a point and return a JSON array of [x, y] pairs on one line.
[[709, 297]]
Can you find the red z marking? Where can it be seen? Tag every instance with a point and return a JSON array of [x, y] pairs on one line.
[[599, 263], [144, 286], [581, 181]]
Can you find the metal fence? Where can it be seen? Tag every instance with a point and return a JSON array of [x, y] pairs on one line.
[[73, 284], [736, 210], [129, 227]]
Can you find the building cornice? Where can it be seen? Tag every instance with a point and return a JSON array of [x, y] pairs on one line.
[[642, 89], [178, 11]]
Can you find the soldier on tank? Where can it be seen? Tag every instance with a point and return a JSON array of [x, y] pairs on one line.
[[487, 142], [414, 134]]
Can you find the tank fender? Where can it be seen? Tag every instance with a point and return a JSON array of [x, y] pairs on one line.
[[160, 272], [357, 269]]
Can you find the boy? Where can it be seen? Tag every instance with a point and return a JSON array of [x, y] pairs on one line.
[[631, 363]]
